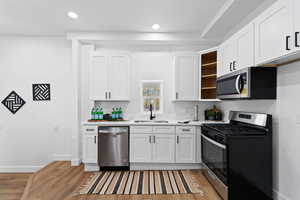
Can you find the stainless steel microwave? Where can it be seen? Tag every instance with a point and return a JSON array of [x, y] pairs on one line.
[[248, 83]]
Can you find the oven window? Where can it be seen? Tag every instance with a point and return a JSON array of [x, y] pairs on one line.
[[227, 86], [215, 159]]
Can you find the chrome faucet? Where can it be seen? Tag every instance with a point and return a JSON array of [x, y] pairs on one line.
[[152, 116]]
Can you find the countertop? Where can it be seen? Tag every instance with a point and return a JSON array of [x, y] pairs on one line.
[[132, 123]]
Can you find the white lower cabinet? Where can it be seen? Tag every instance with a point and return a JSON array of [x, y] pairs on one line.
[[166, 144], [163, 148], [140, 147], [90, 145], [185, 145]]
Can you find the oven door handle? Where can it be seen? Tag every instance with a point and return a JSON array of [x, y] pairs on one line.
[[214, 142]]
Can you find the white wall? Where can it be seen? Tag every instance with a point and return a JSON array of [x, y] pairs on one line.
[[286, 122], [40, 131]]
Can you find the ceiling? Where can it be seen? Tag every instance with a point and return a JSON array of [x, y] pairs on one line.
[[49, 17]]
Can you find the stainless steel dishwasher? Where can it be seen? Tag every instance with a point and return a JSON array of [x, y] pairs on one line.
[[113, 146]]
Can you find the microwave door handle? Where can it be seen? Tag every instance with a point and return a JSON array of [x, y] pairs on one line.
[[237, 84]]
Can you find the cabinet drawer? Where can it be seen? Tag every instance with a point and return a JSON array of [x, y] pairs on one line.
[[164, 129], [141, 129], [90, 129], [185, 129]]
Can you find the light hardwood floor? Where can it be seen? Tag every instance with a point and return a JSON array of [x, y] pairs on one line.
[[58, 181], [12, 186]]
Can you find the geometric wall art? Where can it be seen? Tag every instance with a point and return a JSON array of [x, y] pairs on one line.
[[41, 92], [13, 102]]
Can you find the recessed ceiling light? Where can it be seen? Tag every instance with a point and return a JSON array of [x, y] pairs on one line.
[[155, 26], [72, 15]]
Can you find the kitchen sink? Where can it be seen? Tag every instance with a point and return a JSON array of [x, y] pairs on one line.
[[151, 121]]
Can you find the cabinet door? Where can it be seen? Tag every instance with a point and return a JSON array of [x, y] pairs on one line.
[[273, 31], [296, 22], [245, 47], [90, 148], [163, 148], [98, 83], [186, 77], [119, 77], [140, 148], [185, 148], [228, 55]]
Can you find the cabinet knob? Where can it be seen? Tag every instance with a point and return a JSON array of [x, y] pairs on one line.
[[296, 39], [287, 39], [233, 65]]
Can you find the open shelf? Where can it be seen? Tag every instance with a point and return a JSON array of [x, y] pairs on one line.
[[208, 75], [212, 64], [208, 88]]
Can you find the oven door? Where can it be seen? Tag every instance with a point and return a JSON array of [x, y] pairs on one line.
[[233, 86], [214, 157]]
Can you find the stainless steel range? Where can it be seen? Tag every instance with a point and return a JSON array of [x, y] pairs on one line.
[[237, 156]]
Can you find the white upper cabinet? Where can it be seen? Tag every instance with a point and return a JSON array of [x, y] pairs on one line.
[[98, 82], [273, 29], [296, 23], [186, 77], [245, 47], [109, 77], [228, 55], [119, 78], [238, 51]]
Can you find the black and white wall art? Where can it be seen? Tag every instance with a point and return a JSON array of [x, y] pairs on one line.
[[41, 92], [13, 102]]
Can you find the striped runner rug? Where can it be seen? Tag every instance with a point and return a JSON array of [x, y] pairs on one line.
[[141, 182]]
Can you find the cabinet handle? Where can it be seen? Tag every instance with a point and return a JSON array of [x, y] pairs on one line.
[[105, 95], [230, 66], [90, 129], [233, 65], [185, 129], [153, 139], [109, 95], [287, 38], [95, 139], [150, 139], [176, 95], [296, 39], [177, 139]]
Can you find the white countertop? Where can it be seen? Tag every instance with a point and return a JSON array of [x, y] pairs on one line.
[[132, 123]]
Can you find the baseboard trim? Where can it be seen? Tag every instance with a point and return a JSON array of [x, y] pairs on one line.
[[167, 166], [20, 169], [278, 196], [75, 162], [61, 157]]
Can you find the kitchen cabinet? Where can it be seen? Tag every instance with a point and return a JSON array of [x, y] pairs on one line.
[[244, 47], [140, 148], [273, 32], [185, 145], [109, 77], [90, 145], [296, 23], [152, 144], [186, 77], [238, 51], [228, 55], [163, 148]]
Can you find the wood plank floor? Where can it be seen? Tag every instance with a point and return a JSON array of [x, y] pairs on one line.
[[58, 181], [12, 185]]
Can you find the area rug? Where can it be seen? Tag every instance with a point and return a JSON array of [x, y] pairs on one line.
[[141, 183]]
